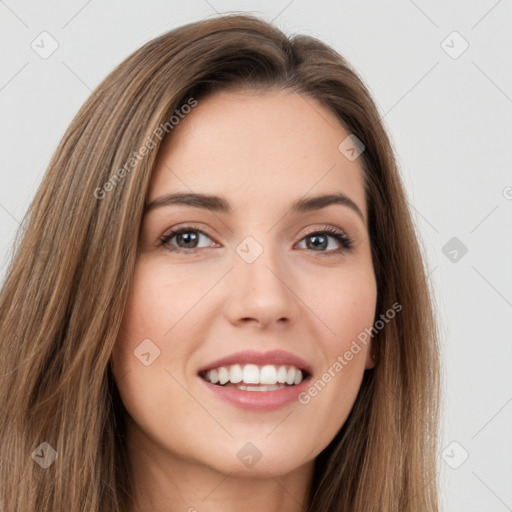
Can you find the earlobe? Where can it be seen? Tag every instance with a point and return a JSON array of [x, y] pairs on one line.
[[371, 358]]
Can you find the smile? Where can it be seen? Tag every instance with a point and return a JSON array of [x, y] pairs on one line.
[[252, 377], [278, 375]]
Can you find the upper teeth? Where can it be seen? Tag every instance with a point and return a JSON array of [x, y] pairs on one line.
[[254, 374]]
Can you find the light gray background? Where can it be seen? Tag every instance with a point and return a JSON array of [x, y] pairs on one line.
[[450, 120]]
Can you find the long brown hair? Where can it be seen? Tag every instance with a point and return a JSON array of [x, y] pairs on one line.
[[64, 294]]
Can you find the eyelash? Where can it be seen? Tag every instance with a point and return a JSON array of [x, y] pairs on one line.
[[345, 242]]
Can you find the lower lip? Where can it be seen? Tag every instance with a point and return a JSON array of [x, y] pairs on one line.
[[257, 400]]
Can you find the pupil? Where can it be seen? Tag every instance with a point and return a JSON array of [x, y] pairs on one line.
[[188, 237], [316, 237]]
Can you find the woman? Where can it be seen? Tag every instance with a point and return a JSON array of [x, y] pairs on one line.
[[219, 301]]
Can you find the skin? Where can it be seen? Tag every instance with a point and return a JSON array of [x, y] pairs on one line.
[[260, 152]]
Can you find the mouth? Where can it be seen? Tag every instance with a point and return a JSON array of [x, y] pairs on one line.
[[257, 381], [254, 377]]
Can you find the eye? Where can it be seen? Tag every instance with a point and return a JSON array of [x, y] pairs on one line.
[[319, 240], [187, 238]]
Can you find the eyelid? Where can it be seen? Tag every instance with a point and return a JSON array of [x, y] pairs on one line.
[[324, 227]]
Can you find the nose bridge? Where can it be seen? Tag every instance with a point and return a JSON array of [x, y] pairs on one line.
[[262, 290], [258, 261]]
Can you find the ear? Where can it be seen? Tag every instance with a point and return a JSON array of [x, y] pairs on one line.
[[371, 357]]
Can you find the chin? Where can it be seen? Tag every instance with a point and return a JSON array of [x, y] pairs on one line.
[[260, 458]]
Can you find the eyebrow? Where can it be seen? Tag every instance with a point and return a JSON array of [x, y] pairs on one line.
[[219, 204]]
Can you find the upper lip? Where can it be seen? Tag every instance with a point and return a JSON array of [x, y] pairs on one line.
[[275, 357]]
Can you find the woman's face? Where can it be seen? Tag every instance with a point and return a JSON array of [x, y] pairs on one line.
[[251, 289]]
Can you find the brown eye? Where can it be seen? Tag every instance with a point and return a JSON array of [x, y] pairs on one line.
[[187, 238]]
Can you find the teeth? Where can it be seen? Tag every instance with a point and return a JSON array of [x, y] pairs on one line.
[[235, 374], [251, 374], [268, 374], [223, 375], [268, 377], [260, 388], [281, 374]]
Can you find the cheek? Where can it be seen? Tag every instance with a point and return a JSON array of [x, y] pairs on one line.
[[346, 311], [154, 340], [157, 308], [346, 304], [141, 352]]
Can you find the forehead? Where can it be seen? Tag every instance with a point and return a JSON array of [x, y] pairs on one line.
[[266, 147]]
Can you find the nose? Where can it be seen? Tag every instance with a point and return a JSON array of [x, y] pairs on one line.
[[261, 292]]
